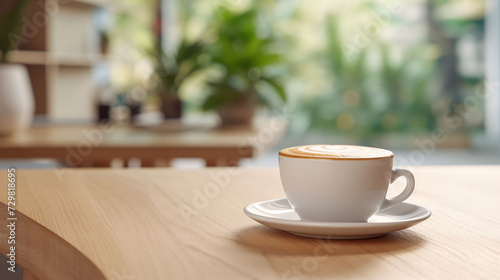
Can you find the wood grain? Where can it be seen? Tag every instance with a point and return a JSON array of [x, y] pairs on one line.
[[189, 224]]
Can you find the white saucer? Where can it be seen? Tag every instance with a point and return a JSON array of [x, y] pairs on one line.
[[278, 214]]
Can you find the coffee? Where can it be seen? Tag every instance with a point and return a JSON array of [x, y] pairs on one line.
[[340, 183], [336, 152]]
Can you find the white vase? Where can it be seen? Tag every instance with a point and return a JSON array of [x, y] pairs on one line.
[[16, 99]]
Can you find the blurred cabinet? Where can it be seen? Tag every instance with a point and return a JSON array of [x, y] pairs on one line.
[[60, 45]]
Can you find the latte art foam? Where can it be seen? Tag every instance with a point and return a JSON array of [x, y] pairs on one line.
[[336, 152]]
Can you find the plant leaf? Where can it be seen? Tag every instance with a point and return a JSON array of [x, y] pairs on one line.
[[9, 25], [277, 86]]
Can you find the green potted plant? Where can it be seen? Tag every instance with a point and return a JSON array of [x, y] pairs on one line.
[[244, 57], [172, 70], [16, 94]]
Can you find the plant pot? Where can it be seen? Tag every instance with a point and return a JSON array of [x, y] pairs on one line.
[[240, 112], [171, 107], [17, 105]]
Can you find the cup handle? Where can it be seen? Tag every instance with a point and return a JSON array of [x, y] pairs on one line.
[[410, 185]]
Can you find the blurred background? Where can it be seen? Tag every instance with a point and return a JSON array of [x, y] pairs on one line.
[[419, 77]]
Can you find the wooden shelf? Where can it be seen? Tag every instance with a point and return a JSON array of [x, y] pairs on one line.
[[45, 58], [62, 55], [107, 4], [81, 60], [28, 57], [94, 3]]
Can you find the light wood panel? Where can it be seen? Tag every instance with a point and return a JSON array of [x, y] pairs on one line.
[[180, 224], [34, 243]]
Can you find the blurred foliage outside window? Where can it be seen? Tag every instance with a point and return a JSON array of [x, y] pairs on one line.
[[356, 68]]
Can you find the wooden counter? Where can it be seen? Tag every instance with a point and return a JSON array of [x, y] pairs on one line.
[[184, 224], [99, 145]]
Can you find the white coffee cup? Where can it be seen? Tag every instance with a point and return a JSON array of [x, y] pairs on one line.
[[340, 183]]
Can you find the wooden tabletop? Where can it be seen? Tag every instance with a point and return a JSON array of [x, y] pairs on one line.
[[189, 224], [97, 145]]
